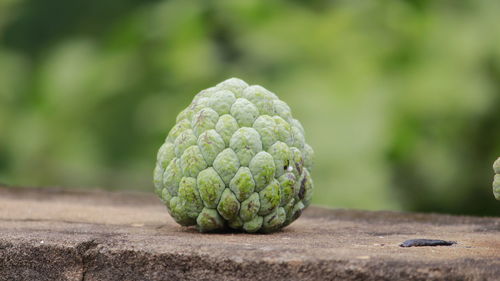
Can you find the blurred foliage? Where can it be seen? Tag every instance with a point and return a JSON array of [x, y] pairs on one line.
[[400, 99]]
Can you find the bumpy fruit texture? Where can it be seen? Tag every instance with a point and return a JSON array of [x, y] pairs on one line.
[[236, 158], [496, 180]]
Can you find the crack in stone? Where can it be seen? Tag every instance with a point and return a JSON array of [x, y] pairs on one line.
[[83, 250]]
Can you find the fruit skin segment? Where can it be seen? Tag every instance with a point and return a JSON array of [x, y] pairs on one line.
[[496, 179], [237, 159]]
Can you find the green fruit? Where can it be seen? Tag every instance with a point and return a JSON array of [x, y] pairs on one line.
[[235, 159], [496, 180], [496, 166]]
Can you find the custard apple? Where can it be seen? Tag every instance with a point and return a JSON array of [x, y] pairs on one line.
[[496, 180], [236, 158]]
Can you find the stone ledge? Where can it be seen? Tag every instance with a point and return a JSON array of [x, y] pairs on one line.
[[49, 234]]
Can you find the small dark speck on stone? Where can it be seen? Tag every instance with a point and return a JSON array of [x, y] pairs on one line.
[[426, 242]]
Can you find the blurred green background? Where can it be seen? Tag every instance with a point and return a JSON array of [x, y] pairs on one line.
[[400, 99]]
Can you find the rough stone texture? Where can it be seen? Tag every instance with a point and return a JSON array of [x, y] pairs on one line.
[[95, 235]]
